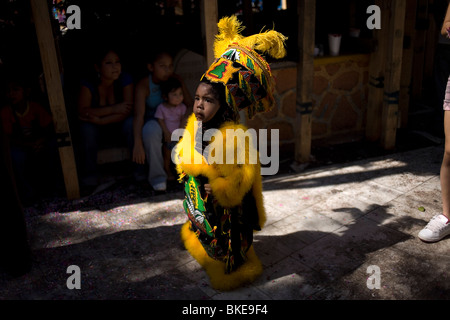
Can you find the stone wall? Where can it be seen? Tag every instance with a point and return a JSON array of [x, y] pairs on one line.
[[340, 99], [340, 94], [282, 116]]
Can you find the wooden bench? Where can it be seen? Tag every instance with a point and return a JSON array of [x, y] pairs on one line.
[[113, 154]]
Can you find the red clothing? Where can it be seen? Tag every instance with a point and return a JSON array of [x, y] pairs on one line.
[[34, 115]]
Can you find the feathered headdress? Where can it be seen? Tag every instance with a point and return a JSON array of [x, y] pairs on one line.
[[245, 74]]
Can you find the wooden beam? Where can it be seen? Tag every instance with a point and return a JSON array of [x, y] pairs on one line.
[[431, 41], [377, 75], [247, 11], [419, 48], [390, 116], [209, 18], [305, 75], [50, 66], [407, 62]]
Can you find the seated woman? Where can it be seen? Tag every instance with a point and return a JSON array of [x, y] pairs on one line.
[[147, 132], [105, 107]]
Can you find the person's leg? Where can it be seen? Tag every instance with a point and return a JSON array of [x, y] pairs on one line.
[[445, 168], [127, 130], [441, 72], [152, 138], [89, 149], [439, 225], [139, 170], [167, 162]]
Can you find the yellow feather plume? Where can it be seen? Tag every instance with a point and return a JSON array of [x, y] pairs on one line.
[[271, 41], [229, 29]]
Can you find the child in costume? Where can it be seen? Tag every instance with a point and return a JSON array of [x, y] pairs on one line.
[[224, 201], [170, 115]]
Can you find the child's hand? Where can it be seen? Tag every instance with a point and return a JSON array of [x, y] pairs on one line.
[[139, 153], [91, 118], [122, 108], [208, 189], [88, 117], [84, 117]]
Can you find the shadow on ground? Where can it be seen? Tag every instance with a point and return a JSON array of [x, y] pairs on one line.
[[152, 264]]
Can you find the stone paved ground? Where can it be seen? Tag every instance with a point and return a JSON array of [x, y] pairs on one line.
[[325, 227]]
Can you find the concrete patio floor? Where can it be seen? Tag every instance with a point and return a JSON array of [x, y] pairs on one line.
[[327, 230]]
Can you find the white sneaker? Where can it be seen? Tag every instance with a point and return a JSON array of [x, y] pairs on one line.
[[160, 186], [436, 229]]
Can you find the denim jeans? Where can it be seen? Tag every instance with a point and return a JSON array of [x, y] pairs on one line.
[[93, 137], [152, 136]]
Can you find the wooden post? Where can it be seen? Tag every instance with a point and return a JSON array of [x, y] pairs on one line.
[[305, 76], [247, 11], [432, 37], [407, 62], [209, 17], [377, 75], [419, 48], [390, 117], [49, 59]]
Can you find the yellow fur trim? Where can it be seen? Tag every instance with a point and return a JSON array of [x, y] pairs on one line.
[[229, 182], [215, 269]]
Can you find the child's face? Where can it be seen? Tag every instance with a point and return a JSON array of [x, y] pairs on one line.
[[175, 97], [162, 68], [15, 93], [110, 67], [206, 103]]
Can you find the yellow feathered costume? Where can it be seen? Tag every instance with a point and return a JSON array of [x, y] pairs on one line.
[[229, 184], [227, 255]]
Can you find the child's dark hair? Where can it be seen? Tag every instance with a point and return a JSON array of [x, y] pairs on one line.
[[218, 90], [102, 50], [225, 111], [155, 54], [169, 85], [18, 80]]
